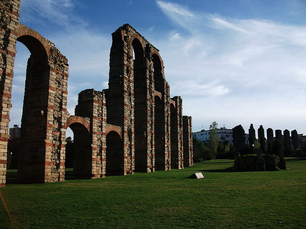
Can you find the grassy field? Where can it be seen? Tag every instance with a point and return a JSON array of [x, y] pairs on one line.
[[223, 199]]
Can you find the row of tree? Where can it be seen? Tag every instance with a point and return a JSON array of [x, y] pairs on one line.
[[215, 148]]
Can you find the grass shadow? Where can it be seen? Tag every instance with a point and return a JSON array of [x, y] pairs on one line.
[[230, 169], [295, 159], [11, 176], [69, 174]]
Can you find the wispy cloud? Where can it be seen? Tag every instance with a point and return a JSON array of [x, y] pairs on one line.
[[59, 12], [179, 14], [87, 50], [252, 65]]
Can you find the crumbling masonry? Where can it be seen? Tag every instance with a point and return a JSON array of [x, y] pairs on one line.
[[133, 125]]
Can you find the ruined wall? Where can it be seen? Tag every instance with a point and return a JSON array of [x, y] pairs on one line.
[[92, 104], [128, 127], [138, 99]]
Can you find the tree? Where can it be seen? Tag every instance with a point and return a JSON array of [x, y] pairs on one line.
[[200, 151], [239, 138], [214, 140]]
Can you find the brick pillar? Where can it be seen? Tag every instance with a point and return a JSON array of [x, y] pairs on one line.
[[120, 96], [177, 157], [144, 97], [42, 158], [92, 105], [188, 141], [9, 14], [162, 124]]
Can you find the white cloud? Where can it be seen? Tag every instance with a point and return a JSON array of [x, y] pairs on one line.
[[179, 14], [195, 89], [250, 71], [228, 70], [59, 12]]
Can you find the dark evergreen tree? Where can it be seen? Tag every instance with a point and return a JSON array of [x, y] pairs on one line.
[[261, 139], [239, 138]]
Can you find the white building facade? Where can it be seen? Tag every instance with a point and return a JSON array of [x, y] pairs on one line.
[[223, 135]]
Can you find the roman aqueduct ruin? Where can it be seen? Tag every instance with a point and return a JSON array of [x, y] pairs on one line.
[[133, 125]]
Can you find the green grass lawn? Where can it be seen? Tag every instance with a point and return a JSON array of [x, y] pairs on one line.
[[223, 199]]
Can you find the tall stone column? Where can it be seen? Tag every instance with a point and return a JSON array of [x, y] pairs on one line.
[[177, 156], [188, 141], [9, 14]]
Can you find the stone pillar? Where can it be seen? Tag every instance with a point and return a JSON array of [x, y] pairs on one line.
[[167, 126], [177, 156], [92, 105], [120, 96], [42, 158], [144, 97], [188, 141], [9, 14]]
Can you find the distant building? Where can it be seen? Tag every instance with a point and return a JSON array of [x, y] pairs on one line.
[[223, 134], [15, 132]]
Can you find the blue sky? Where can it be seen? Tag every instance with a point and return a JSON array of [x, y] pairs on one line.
[[232, 61]]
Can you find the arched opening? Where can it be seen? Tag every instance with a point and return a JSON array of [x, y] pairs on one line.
[[140, 108], [114, 154], [79, 152], [29, 98], [69, 155], [174, 138], [34, 113], [159, 127], [158, 76], [139, 77]]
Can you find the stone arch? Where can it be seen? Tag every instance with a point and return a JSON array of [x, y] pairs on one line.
[[77, 119], [172, 103], [114, 128], [158, 94], [114, 154], [36, 44], [44, 105], [138, 62], [158, 69]]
